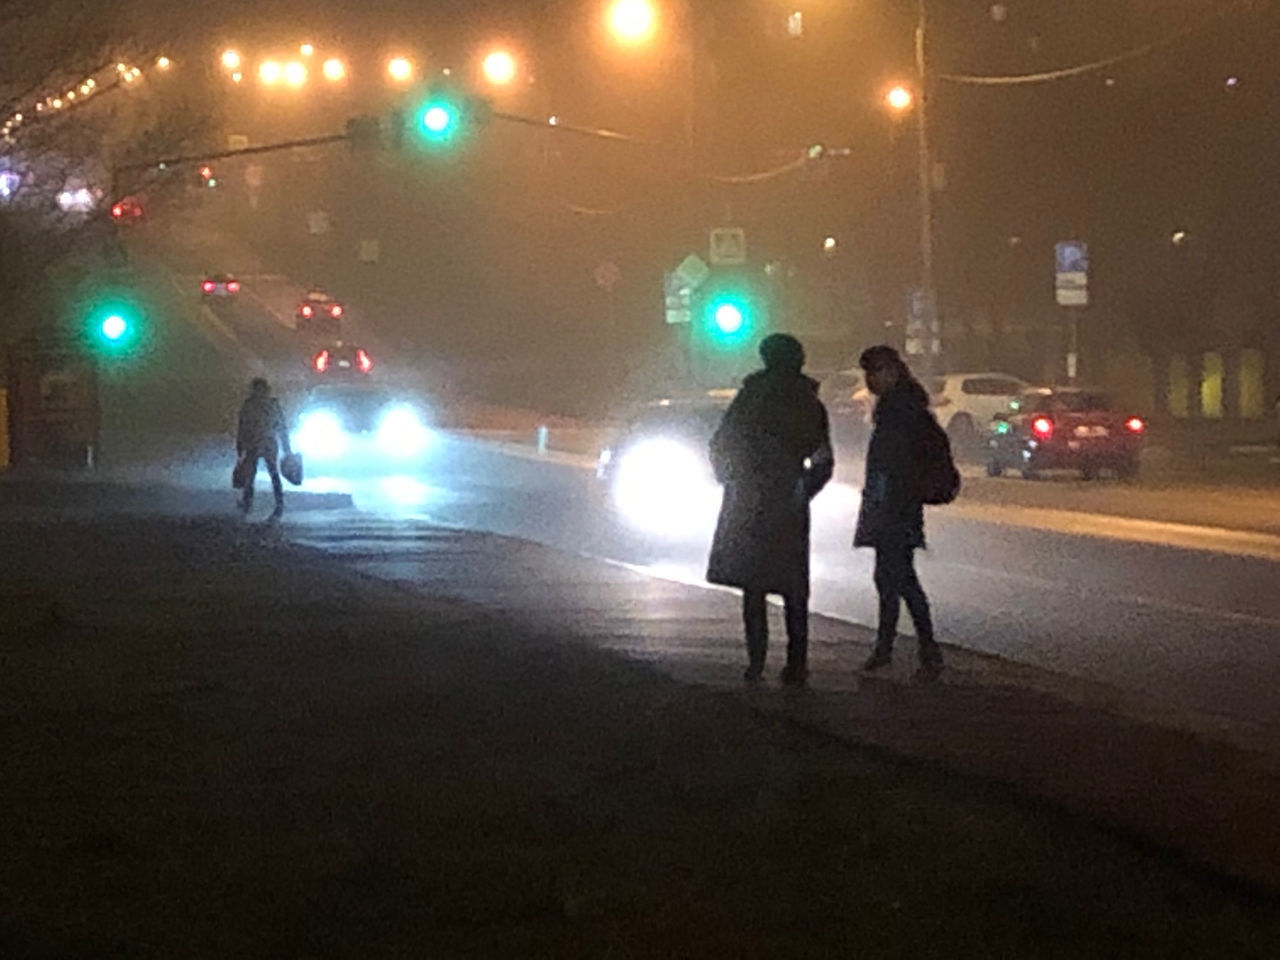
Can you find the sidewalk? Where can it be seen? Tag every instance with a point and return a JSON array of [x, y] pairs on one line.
[[217, 743]]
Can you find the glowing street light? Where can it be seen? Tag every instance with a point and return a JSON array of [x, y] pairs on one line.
[[270, 72], [900, 99], [163, 63], [334, 70], [307, 49], [295, 74], [499, 68], [237, 77], [632, 21], [399, 69], [231, 60]]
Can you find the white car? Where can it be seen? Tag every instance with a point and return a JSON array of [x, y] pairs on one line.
[[965, 403]]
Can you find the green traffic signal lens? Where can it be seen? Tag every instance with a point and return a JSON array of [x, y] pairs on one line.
[[114, 327], [437, 119], [729, 319]]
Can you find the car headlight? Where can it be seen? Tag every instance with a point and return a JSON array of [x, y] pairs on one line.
[[401, 433], [665, 487], [320, 435]]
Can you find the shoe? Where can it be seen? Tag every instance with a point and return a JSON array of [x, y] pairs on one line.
[[795, 675], [928, 672], [753, 672], [278, 512], [877, 661]]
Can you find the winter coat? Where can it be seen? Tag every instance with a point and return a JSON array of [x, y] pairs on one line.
[[261, 427], [772, 453], [891, 513]]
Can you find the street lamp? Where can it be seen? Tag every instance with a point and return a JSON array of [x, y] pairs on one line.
[[499, 68], [334, 70], [307, 49], [270, 72], [899, 99], [400, 69], [632, 21], [295, 74], [231, 60]]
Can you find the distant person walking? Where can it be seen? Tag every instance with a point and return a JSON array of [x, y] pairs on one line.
[[891, 518], [772, 453], [260, 435]]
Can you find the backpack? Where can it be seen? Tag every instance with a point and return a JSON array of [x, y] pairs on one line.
[[938, 481]]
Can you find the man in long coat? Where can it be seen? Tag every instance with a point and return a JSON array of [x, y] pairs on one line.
[[772, 453]]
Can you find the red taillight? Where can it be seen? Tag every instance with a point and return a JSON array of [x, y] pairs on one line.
[[234, 286], [364, 361], [336, 312], [207, 286], [322, 361], [1135, 425], [1042, 427], [306, 310]]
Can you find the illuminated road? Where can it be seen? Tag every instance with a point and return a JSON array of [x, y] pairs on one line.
[[1165, 594]]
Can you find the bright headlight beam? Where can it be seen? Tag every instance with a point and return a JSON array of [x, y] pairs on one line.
[[663, 487]]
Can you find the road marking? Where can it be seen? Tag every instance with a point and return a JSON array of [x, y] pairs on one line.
[[1186, 609], [1184, 536]]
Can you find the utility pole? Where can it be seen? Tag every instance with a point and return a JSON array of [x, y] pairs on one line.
[[928, 282]]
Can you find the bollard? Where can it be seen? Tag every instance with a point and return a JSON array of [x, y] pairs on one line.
[[543, 435]]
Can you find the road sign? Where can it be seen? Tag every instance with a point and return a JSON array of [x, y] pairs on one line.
[[1071, 283], [693, 271], [237, 141], [607, 276], [728, 246], [679, 298]]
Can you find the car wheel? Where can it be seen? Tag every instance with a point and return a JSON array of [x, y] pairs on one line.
[[962, 432], [1089, 471], [1030, 473], [995, 468]]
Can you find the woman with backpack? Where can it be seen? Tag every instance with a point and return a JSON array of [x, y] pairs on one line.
[[908, 464]]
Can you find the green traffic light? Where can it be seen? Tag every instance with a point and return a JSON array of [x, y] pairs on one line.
[[437, 119], [729, 319], [114, 327]]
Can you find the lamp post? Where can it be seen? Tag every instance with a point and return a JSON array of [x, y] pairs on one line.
[[928, 281]]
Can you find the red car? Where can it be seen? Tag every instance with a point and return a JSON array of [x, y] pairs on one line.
[[127, 210], [1065, 428]]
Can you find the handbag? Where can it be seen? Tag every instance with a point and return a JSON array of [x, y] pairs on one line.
[[291, 468], [242, 473]]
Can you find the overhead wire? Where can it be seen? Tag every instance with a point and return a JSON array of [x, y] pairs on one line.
[[1062, 73]]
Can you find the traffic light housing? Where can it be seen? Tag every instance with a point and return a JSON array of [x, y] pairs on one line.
[[731, 316], [443, 117], [114, 327], [731, 310]]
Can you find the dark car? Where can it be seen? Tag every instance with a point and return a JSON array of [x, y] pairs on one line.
[[219, 285], [359, 424], [1065, 428], [342, 360], [319, 313]]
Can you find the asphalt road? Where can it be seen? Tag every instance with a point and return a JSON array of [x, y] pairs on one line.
[[1176, 604]]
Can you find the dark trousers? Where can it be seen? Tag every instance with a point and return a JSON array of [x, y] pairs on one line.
[[896, 580], [272, 460], [755, 618]]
